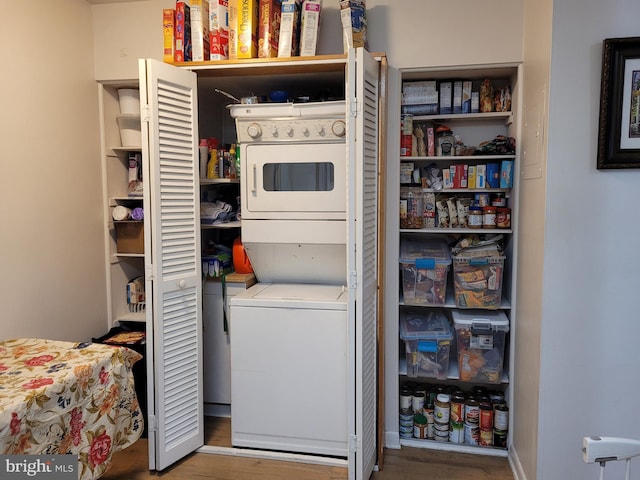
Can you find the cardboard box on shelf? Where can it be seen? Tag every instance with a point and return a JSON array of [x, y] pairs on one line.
[[219, 29], [247, 29], [309, 27], [289, 29], [233, 28], [183, 32], [168, 33], [200, 49], [129, 236], [354, 23], [269, 29]]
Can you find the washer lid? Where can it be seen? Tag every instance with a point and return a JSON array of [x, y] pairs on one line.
[[293, 295]]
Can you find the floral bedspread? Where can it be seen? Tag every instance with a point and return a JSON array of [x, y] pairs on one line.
[[68, 398]]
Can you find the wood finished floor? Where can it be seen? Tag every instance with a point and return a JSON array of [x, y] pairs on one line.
[[404, 464]]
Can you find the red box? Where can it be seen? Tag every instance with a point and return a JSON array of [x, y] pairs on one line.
[[269, 28], [183, 32], [219, 29]]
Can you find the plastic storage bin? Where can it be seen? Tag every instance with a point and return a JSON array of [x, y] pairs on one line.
[[477, 281], [480, 340], [427, 337], [425, 267]]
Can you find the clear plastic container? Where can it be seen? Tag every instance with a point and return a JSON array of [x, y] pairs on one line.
[[427, 336], [477, 281], [480, 340], [425, 268]]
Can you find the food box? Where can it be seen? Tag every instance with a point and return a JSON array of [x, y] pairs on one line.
[[200, 49], [309, 27], [243, 29], [477, 281], [168, 32], [288, 45], [427, 337], [353, 16], [269, 29], [183, 32], [219, 29], [129, 236], [425, 268], [480, 339]]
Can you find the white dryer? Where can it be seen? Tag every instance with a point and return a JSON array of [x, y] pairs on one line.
[[289, 368]]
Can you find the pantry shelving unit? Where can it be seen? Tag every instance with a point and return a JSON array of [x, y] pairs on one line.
[[472, 128]]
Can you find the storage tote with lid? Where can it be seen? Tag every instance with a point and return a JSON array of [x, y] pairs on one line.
[[425, 267], [477, 281], [427, 337], [480, 339]]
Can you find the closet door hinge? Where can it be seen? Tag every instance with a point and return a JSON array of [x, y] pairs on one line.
[[145, 113], [353, 108], [353, 280], [353, 443], [152, 425], [148, 272]]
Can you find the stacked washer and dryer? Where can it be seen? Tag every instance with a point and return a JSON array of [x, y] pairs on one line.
[[288, 333]]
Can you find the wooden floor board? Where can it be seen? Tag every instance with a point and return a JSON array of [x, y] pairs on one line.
[[404, 464]]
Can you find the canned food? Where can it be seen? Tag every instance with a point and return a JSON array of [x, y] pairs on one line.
[[456, 432], [501, 417], [420, 426], [499, 438], [405, 399], [457, 408], [471, 434], [472, 412], [417, 401], [486, 438], [486, 416]]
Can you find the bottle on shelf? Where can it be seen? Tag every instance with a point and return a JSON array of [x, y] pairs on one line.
[[204, 157]]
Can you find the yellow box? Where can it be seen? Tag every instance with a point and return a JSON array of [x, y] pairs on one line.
[[232, 7], [168, 27], [247, 28]]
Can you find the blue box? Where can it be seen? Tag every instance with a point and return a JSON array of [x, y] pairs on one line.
[[506, 174]]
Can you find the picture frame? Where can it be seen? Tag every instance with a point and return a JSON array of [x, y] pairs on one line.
[[619, 123]]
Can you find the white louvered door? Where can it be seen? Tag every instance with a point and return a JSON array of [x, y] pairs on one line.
[[172, 261], [362, 139]]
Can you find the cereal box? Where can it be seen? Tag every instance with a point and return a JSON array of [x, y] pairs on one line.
[[289, 28], [200, 30], [219, 29], [354, 23], [309, 26], [269, 29], [247, 29], [183, 32], [233, 28], [168, 27]]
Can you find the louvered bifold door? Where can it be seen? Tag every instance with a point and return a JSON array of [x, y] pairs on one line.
[[362, 85], [171, 120]]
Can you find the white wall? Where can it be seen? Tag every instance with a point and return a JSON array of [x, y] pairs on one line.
[[590, 328], [51, 241]]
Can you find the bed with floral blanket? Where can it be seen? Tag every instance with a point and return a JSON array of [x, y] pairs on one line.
[[68, 398]]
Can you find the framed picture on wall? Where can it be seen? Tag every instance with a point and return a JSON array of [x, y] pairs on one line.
[[619, 128]]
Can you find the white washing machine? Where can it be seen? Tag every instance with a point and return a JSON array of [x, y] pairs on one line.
[[289, 368]]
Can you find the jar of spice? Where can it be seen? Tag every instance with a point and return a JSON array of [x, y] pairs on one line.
[[489, 216]]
